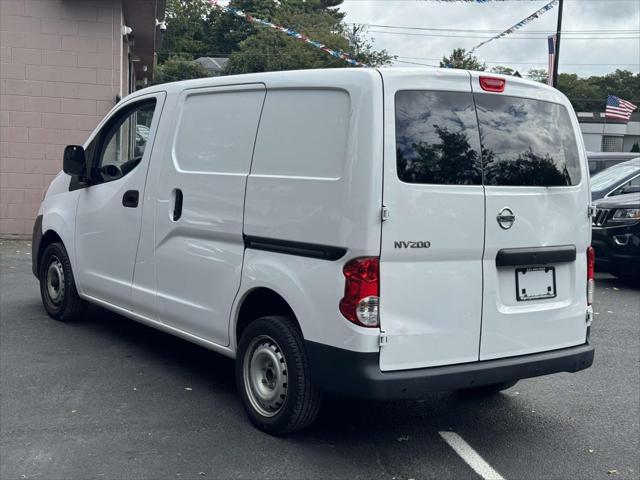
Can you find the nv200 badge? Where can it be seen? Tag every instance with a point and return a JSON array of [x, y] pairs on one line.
[[411, 244]]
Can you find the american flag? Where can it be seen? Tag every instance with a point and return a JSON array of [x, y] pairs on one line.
[[618, 109], [551, 43]]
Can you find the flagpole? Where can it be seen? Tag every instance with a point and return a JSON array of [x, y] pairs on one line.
[[557, 51], [604, 126]]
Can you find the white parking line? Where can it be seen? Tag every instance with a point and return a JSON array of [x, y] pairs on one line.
[[470, 456]]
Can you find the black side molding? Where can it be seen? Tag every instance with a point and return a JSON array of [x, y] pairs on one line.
[[36, 238], [301, 249], [511, 257]]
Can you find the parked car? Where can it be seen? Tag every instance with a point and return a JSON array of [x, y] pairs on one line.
[[599, 161], [376, 233], [617, 180], [616, 235]]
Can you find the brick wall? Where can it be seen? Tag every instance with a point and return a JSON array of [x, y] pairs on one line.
[[60, 73]]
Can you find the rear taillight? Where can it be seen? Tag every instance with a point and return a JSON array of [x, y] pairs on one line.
[[591, 274], [492, 84], [361, 291]]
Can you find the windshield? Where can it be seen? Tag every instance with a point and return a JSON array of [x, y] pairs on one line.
[[609, 177]]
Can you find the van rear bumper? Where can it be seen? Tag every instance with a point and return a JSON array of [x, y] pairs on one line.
[[358, 374]]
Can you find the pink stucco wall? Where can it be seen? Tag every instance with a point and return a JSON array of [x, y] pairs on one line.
[[60, 72]]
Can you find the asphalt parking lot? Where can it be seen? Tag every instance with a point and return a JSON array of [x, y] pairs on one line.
[[106, 397]]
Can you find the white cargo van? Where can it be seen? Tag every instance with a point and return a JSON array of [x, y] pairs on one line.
[[377, 233]]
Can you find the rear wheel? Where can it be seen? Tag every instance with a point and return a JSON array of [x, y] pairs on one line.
[[272, 376], [487, 390], [57, 287]]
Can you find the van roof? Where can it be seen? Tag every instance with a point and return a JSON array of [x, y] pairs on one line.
[[328, 76]]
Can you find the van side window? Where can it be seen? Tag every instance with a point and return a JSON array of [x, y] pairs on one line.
[[527, 142], [303, 132], [216, 131], [437, 138], [123, 141]]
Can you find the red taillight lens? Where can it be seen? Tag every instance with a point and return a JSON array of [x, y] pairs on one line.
[[492, 84], [591, 274], [361, 291]]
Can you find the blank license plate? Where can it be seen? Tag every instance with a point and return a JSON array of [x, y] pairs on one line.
[[535, 283]]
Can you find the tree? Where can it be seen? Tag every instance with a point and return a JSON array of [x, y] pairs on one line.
[[459, 58], [590, 94], [270, 50], [538, 75], [188, 29], [503, 70], [178, 68], [196, 29], [635, 147]]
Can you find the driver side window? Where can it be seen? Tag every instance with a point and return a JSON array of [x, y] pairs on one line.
[[124, 142]]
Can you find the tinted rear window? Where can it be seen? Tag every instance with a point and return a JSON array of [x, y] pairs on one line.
[[526, 142], [437, 138], [523, 142]]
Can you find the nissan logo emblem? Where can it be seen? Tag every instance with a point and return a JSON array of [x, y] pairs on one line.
[[506, 218]]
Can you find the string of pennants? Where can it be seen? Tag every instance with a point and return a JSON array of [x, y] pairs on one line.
[[518, 25], [289, 32], [351, 61]]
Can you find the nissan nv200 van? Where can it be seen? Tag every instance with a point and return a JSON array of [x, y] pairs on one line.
[[375, 233]]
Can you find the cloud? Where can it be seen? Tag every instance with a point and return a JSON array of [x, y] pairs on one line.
[[517, 51]]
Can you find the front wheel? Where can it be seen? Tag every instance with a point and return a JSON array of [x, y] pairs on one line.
[[273, 379], [57, 287]]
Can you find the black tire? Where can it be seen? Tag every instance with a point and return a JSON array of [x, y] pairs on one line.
[[487, 390], [66, 305], [281, 338]]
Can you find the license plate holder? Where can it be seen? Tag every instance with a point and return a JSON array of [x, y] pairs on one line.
[[535, 283]]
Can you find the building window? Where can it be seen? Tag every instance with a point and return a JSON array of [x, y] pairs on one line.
[[611, 144]]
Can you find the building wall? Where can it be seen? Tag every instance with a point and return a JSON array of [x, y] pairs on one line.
[[594, 127], [61, 70]]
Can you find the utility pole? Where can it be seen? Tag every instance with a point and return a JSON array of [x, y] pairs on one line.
[[557, 56]]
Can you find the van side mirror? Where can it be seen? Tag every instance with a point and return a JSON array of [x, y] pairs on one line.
[[75, 161]]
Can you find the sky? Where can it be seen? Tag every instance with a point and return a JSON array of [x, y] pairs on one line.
[[519, 51]]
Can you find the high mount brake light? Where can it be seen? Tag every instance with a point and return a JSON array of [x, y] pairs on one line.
[[361, 291], [492, 84]]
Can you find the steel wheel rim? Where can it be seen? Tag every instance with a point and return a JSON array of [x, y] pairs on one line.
[[265, 376], [55, 281]]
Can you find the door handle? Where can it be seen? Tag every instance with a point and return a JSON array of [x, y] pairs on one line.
[[130, 198], [177, 205]]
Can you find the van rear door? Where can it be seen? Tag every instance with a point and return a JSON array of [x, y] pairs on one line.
[[432, 241], [537, 227]]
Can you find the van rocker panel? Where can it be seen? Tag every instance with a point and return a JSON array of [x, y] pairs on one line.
[[358, 374]]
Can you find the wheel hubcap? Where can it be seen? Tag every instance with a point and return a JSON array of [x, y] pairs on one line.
[[55, 281], [265, 376]]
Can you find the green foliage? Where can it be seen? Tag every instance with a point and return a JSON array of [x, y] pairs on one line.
[[270, 50], [635, 148], [459, 58], [538, 75], [195, 29], [178, 68], [503, 70], [590, 94]]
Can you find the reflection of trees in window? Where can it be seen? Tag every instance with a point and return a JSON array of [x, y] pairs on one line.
[[527, 169], [452, 161]]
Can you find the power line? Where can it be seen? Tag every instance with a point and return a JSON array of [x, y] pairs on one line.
[[503, 62], [503, 38], [596, 32]]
